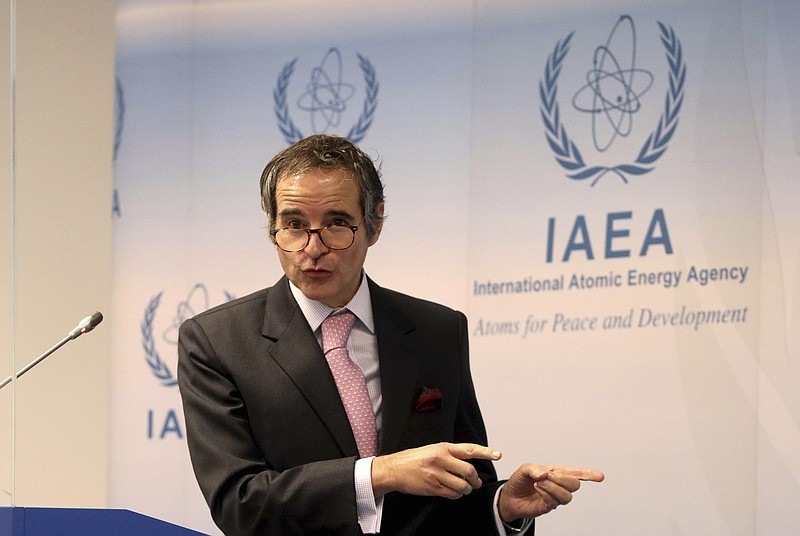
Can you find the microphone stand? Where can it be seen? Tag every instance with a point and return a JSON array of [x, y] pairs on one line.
[[36, 361], [84, 326]]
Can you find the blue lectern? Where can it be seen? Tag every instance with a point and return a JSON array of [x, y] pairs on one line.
[[27, 521]]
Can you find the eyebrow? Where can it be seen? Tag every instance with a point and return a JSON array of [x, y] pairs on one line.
[[329, 214]]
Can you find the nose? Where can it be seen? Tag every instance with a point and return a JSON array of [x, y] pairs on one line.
[[315, 248]]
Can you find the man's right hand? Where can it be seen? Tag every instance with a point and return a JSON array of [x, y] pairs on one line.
[[433, 470]]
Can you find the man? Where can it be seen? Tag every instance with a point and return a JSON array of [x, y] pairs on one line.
[[275, 384]]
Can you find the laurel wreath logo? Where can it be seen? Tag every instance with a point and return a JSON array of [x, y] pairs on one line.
[[357, 132], [567, 153], [119, 116], [157, 366]]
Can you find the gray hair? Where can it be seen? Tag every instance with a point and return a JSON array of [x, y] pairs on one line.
[[323, 151]]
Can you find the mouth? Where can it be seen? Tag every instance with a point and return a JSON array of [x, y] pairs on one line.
[[317, 273]]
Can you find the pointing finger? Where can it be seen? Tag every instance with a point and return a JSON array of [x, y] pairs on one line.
[[581, 473], [470, 451]]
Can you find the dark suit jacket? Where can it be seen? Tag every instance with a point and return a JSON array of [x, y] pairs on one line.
[[268, 436]]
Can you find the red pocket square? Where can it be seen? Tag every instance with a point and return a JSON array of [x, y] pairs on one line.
[[429, 399]]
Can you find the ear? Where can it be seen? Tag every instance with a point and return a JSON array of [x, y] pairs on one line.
[[379, 227]]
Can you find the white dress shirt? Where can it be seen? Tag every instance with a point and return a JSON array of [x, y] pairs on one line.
[[362, 346]]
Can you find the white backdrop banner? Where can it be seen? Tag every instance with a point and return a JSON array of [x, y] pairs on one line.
[[607, 189]]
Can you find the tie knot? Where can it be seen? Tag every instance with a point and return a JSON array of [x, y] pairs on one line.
[[336, 331]]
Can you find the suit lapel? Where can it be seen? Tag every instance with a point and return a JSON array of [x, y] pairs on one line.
[[297, 352], [398, 365]]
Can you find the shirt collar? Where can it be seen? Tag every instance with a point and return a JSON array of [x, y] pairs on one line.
[[316, 312]]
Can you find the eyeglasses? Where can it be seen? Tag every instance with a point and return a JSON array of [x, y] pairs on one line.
[[333, 236]]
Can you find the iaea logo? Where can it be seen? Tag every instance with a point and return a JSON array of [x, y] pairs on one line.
[[196, 302], [326, 98], [611, 98]]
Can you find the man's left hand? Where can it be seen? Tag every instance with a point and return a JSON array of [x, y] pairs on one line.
[[534, 490]]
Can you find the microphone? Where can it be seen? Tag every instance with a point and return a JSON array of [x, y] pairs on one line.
[[84, 326]]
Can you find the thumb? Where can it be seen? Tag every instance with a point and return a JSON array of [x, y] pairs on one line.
[[531, 472]]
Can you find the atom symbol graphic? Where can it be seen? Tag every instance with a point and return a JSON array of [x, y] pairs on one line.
[[611, 90], [326, 95], [196, 302]]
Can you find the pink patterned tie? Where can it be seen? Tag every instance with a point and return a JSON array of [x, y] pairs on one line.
[[350, 382]]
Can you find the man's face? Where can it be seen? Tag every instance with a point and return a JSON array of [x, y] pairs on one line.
[[311, 200]]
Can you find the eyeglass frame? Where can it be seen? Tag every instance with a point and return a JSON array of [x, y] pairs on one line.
[[318, 232]]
